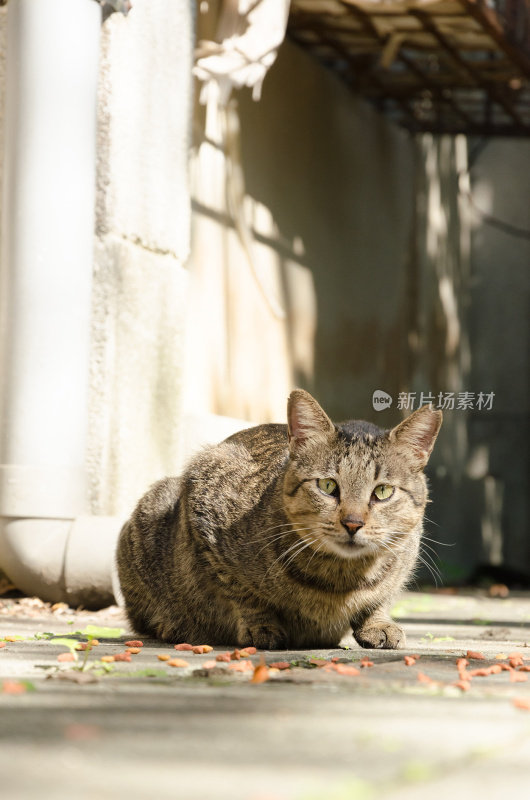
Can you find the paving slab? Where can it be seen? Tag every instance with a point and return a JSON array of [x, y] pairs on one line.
[[326, 728]]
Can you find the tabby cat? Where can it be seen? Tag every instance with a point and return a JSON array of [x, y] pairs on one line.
[[282, 535]]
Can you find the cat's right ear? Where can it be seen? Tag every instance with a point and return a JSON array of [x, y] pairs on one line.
[[306, 420]]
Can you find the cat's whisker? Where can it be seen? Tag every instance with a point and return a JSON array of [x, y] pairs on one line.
[[433, 569], [435, 541], [432, 558], [273, 527], [269, 544], [430, 548], [297, 553], [289, 526], [298, 546], [293, 529], [277, 537], [301, 544], [431, 521], [316, 550]]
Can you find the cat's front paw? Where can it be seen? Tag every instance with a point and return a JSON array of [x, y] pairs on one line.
[[388, 636], [264, 637]]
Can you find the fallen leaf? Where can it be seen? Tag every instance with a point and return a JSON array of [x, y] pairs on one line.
[[518, 677], [200, 649], [122, 657], [14, 687], [475, 656], [81, 732], [463, 685], [522, 702], [75, 676], [223, 657], [344, 669], [66, 657], [241, 666], [423, 678], [495, 669], [261, 674]]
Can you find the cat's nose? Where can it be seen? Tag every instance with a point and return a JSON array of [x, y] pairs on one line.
[[352, 524]]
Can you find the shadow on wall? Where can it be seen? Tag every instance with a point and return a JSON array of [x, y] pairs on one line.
[[346, 257], [252, 316]]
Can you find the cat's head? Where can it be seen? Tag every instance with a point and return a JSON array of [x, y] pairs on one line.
[[355, 489]]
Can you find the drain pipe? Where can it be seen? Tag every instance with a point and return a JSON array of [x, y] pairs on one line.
[[49, 546]]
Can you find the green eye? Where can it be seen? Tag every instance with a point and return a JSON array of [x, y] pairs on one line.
[[383, 491], [327, 485]]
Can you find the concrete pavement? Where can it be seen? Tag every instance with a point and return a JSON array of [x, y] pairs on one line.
[[148, 730]]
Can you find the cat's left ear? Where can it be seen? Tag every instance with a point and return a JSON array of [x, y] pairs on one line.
[[306, 421], [418, 433]]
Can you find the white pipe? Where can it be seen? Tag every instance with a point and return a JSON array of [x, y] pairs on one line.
[[46, 273]]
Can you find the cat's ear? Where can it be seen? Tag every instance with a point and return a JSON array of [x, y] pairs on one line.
[[306, 421], [418, 433]]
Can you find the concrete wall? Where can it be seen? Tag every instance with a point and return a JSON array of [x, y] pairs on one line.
[[499, 325], [142, 243], [329, 200]]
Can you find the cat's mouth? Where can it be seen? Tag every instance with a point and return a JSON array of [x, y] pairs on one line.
[[352, 546]]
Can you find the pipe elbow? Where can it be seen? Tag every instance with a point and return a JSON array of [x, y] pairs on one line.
[[62, 560]]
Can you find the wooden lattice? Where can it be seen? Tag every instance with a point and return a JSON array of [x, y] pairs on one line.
[[446, 67]]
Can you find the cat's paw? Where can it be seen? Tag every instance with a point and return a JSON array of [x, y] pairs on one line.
[[264, 637], [388, 636]]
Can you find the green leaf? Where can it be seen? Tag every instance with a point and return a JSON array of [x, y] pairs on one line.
[[97, 632], [147, 673], [101, 668], [429, 637], [71, 644], [418, 771]]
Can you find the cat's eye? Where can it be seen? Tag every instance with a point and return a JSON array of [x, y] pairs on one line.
[[328, 486], [383, 491]]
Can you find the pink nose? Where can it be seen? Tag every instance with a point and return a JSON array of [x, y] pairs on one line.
[[352, 524]]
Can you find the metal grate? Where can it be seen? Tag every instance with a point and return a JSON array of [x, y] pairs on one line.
[[449, 66]]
